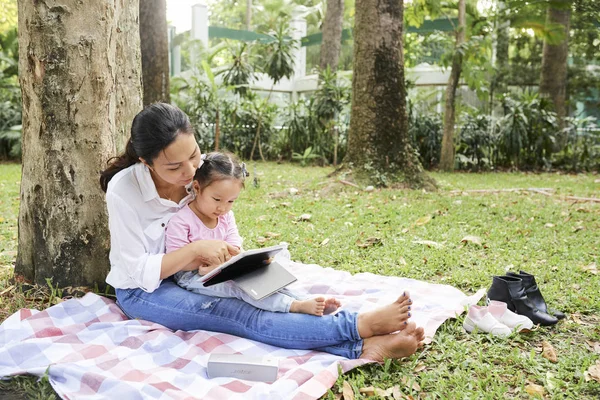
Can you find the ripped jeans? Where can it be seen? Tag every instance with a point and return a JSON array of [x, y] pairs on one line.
[[179, 309]]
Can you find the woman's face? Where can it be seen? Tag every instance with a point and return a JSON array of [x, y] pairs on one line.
[[178, 162]]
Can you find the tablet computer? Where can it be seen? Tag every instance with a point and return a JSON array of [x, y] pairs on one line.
[[242, 264]]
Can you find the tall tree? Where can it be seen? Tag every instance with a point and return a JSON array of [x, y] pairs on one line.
[[155, 51], [447, 157], [553, 77], [248, 15], [332, 35], [80, 78], [378, 143]]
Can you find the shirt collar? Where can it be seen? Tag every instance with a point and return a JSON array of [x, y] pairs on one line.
[[147, 186]]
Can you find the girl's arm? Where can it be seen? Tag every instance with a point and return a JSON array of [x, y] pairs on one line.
[[184, 255], [204, 255]]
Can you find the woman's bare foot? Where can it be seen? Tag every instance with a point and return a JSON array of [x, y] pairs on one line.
[[331, 305], [387, 319], [395, 345], [314, 306]]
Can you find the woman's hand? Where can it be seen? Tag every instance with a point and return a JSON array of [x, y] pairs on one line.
[[212, 253]]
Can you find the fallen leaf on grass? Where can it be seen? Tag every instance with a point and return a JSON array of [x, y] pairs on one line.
[[384, 393], [347, 391], [411, 384], [550, 381], [548, 352], [535, 390], [420, 367], [429, 243], [593, 372], [549, 225], [578, 228], [262, 239], [369, 390], [591, 268], [324, 242], [473, 239], [372, 241], [402, 261], [304, 217], [397, 393], [595, 346], [272, 235], [423, 220]]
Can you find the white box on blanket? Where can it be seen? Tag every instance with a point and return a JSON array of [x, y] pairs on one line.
[[262, 369]]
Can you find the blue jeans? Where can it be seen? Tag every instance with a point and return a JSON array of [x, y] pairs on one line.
[[179, 309]]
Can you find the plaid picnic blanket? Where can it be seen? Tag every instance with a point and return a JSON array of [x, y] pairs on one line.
[[90, 350]]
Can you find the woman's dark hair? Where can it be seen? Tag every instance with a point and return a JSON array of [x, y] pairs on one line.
[[218, 166], [152, 130]]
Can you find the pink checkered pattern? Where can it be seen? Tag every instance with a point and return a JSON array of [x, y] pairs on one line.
[[90, 350]]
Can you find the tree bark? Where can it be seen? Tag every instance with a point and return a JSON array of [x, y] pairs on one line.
[[155, 51], [79, 66], [553, 77], [379, 148], [332, 35], [447, 157]]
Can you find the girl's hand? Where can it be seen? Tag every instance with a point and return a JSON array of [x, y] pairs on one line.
[[212, 253]]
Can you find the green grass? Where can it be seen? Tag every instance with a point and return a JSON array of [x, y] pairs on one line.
[[548, 236]]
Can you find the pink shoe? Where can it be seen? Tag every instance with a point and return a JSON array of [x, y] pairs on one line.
[[479, 317], [502, 314]]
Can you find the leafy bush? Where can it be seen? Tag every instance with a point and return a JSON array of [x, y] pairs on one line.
[[10, 97], [476, 141], [425, 131], [527, 131], [582, 151]]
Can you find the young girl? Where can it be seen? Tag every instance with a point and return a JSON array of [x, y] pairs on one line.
[[216, 185]]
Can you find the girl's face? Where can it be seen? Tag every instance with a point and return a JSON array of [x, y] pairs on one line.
[[216, 199], [177, 163]]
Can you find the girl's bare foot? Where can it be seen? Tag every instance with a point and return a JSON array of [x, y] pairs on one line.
[[395, 345], [387, 319], [331, 305], [314, 306]]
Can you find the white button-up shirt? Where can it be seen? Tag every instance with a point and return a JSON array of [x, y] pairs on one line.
[[137, 218]]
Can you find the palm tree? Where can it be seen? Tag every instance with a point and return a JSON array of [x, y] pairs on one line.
[[279, 64]]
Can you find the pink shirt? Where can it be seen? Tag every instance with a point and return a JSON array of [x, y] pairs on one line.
[[185, 227]]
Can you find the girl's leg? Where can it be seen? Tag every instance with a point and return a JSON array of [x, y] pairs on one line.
[[179, 309]]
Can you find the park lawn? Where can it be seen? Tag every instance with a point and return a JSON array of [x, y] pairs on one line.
[[419, 234]]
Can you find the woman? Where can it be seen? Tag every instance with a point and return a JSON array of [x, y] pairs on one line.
[[144, 188]]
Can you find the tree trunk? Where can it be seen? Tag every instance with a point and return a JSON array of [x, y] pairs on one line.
[[378, 143], [499, 84], [447, 157], [217, 130], [553, 78], [80, 94], [155, 51], [248, 14], [332, 35]]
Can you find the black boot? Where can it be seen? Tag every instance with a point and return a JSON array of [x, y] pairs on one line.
[[534, 294], [510, 290]]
